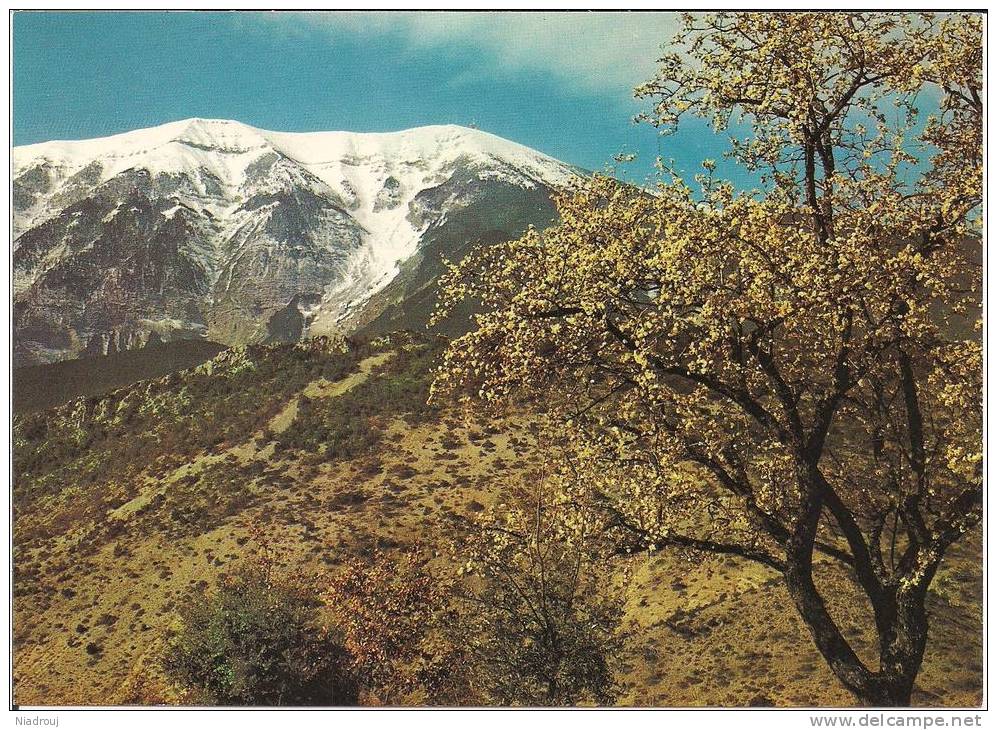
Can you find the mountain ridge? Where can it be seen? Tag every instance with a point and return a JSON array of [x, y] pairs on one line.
[[209, 228]]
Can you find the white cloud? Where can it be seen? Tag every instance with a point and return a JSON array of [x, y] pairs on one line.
[[591, 51]]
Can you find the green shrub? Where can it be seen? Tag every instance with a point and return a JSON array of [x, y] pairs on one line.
[[257, 641]]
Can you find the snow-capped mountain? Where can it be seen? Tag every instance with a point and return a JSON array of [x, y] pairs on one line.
[[212, 228]]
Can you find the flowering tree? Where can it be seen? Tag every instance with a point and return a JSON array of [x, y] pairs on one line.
[[778, 373]]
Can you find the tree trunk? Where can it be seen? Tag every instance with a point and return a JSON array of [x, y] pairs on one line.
[[827, 637], [903, 640], [901, 623], [900, 659]]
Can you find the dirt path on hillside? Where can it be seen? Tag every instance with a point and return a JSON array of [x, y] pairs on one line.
[[322, 388], [253, 448]]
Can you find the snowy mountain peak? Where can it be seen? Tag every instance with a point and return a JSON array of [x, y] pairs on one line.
[[419, 143], [220, 134], [243, 221]]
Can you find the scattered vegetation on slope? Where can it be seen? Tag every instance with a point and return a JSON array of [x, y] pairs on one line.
[[135, 557]]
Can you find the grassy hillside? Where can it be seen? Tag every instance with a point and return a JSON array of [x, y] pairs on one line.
[[126, 502]]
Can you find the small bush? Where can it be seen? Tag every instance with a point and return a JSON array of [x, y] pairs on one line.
[[257, 641], [391, 612], [538, 628]]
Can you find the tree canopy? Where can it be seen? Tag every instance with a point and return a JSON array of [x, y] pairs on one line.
[[777, 372]]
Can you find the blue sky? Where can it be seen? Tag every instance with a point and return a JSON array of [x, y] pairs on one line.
[[559, 82]]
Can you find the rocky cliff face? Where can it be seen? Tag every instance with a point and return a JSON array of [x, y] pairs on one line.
[[213, 229]]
